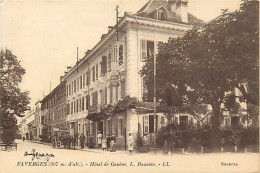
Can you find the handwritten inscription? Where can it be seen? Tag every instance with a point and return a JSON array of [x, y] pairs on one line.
[[37, 155]]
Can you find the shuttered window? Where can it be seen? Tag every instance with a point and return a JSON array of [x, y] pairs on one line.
[[146, 125]]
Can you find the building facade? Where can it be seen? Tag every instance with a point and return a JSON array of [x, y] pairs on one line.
[[27, 126], [54, 112], [38, 120], [110, 71]]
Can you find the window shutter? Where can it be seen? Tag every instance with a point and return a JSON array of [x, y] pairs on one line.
[[121, 55], [116, 127], [229, 120], [143, 50], [162, 120], [145, 125]]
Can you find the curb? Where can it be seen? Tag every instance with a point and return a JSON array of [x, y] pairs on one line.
[[44, 143]]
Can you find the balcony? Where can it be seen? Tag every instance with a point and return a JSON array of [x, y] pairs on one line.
[[94, 108]]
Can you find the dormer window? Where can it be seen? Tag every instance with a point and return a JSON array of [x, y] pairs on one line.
[[161, 13]]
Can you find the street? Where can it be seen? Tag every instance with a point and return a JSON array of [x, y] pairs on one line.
[[63, 160]]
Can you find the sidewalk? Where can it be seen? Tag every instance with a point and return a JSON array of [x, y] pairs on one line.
[[95, 150]]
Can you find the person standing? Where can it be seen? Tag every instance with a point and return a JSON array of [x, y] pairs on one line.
[[70, 141], [99, 139], [91, 141], [82, 140], [130, 141], [108, 141], [113, 143], [65, 140], [73, 140], [104, 143]]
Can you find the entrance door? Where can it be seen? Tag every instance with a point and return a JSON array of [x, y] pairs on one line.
[[151, 124], [183, 120], [95, 133], [100, 127]]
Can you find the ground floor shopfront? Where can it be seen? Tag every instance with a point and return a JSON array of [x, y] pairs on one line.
[[119, 125]]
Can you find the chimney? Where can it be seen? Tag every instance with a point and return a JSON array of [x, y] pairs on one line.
[[61, 79], [180, 7]]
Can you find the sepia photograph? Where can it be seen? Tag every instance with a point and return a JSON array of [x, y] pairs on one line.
[[129, 86]]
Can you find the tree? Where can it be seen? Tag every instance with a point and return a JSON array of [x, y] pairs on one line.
[[13, 101], [206, 63]]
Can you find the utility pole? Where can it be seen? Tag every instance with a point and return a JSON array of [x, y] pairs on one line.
[[77, 58], [154, 94], [50, 86], [117, 22], [1, 66]]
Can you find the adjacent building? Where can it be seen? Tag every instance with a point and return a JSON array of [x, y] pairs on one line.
[[27, 128], [38, 120], [54, 111]]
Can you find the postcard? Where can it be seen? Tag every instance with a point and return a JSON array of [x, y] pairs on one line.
[[129, 86]]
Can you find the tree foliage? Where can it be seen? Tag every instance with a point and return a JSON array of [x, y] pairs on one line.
[[13, 101], [206, 63]]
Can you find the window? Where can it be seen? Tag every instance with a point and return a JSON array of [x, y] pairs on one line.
[[191, 120], [145, 125], [77, 106], [105, 95], [109, 124], [71, 109], [77, 84], [143, 50], [162, 15], [121, 57], [120, 127], [95, 98], [102, 97], [151, 124], [104, 65], [80, 81], [84, 76], [88, 77], [74, 107], [97, 72], [93, 74], [74, 86], [111, 94], [101, 69], [123, 89], [69, 89], [83, 103], [116, 93], [162, 120], [183, 120], [147, 49], [229, 120], [109, 61], [87, 102], [68, 108]]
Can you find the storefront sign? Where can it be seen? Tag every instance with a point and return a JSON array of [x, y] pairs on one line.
[[114, 81]]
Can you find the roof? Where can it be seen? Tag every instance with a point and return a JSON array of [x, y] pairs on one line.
[[153, 5], [59, 86], [145, 14]]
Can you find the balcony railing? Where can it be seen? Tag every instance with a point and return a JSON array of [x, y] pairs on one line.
[[94, 108]]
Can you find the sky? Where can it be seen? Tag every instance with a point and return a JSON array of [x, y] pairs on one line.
[[44, 35]]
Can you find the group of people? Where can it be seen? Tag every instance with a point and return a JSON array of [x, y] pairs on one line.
[[107, 142], [69, 141]]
